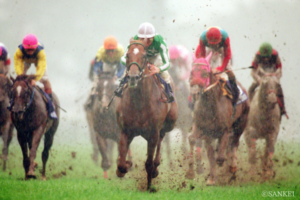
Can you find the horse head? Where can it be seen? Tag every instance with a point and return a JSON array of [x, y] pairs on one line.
[[5, 86], [136, 62], [22, 93], [270, 82], [105, 88]]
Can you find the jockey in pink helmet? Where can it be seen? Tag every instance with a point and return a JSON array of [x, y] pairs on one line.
[[32, 52], [4, 60], [180, 57]]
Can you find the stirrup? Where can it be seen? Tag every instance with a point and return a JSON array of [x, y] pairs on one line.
[[118, 92], [171, 98]]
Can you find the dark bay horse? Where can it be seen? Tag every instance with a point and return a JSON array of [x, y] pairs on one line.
[[264, 121], [6, 125], [214, 118], [31, 119], [140, 112], [104, 120]]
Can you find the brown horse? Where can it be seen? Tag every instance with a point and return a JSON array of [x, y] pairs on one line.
[[6, 125], [31, 119], [104, 120], [215, 118], [264, 121], [140, 112]]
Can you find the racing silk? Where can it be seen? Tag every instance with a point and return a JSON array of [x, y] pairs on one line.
[[4, 55], [225, 43], [158, 46], [274, 61], [38, 59], [103, 62]]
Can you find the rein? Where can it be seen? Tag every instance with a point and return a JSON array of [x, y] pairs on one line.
[[135, 63]]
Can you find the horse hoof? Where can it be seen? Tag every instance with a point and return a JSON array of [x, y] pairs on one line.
[[129, 163], [152, 189], [30, 177], [220, 161], [119, 174], [210, 182], [190, 174], [232, 169], [155, 174]]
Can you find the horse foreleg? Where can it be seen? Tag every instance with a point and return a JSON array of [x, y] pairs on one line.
[[199, 168], [102, 145], [251, 144], [24, 148], [149, 165], [212, 161], [48, 141], [190, 174], [36, 138], [157, 158], [222, 147], [123, 165], [267, 159], [6, 136]]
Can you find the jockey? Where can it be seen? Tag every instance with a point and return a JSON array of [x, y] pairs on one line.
[[31, 51], [107, 60], [4, 61], [269, 60], [180, 57], [157, 54], [217, 39]]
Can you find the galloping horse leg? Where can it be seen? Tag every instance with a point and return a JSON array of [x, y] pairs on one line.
[[190, 174], [199, 168], [123, 165], [157, 158], [7, 128], [149, 165], [23, 145], [48, 141], [222, 147], [102, 145], [267, 159], [211, 157], [37, 135], [251, 144]]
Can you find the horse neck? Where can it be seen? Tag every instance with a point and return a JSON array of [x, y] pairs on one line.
[[263, 103], [143, 93]]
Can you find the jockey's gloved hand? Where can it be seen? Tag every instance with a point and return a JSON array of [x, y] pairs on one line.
[[153, 69], [33, 82]]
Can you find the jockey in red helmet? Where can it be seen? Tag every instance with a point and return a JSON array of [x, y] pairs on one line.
[[267, 58], [4, 60], [216, 39]]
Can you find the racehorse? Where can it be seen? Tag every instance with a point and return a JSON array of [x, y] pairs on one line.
[[6, 125], [215, 118], [104, 120], [142, 112], [31, 119], [264, 121]]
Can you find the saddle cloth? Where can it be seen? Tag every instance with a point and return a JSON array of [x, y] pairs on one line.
[[226, 88]]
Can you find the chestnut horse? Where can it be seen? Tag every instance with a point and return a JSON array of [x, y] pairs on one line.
[[6, 125], [141, 113], [30, 117], [264, 121], [215, 118]]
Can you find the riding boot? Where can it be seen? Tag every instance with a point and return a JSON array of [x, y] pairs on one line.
[[169, 92], [235, 89], [252, 89], [119, 91], [281, 99]]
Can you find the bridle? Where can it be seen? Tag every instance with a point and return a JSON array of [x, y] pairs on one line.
[[141, 68], [27, 104]]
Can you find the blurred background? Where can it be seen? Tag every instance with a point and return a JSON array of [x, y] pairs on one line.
[[73, 30]]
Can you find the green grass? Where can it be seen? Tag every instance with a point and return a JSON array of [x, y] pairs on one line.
[[80, 178]]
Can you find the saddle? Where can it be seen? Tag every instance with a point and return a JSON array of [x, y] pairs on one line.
[[226, 88], [48, 102]]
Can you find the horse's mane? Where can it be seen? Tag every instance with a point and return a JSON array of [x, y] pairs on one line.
[[24, 77]]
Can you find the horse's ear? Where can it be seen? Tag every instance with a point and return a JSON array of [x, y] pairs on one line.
[[30, 77], [10, 81], [208, 57], [131, 40]]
